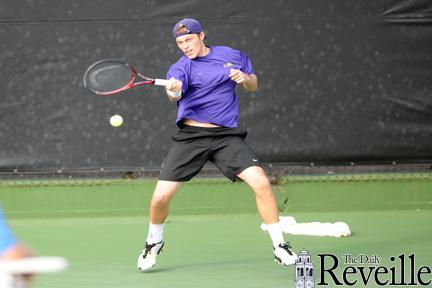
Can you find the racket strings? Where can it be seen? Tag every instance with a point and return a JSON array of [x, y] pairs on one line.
[[109, 76]]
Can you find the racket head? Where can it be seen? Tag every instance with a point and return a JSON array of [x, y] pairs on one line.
[[109, 76]]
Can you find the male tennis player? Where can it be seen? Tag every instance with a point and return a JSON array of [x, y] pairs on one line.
[[203, 82]]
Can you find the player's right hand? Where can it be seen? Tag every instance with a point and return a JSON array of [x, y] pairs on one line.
[[174, 89], [174, 85]]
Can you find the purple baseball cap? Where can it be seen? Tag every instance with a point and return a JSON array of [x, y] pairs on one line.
[[186, 26]]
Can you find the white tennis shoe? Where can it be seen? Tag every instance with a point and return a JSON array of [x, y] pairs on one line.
[[284, 255], [147, 258]]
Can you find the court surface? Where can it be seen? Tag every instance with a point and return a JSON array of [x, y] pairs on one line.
[[217, 248]]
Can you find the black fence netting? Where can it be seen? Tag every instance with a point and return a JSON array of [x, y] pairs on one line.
[[339, 81]]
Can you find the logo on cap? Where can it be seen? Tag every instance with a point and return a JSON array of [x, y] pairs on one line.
[[182, 29]]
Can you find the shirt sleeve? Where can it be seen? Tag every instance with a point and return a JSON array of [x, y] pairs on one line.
[[246, 64], [6, 237]]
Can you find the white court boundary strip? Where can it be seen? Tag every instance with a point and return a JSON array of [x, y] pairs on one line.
[[33, 265]]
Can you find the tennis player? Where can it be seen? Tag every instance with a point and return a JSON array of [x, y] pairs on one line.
[[10, 249], [203, 83]]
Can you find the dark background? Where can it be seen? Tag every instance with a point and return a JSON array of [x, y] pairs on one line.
[[340, 81]]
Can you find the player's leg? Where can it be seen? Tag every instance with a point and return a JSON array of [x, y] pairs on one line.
[[161, 198], [185, 159], [159, 207], [235, 158], [257, 179]]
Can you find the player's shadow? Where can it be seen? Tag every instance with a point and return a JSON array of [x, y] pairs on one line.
[[201, 264], [159, 270]]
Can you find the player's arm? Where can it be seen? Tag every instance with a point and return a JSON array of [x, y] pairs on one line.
[[249, 81], [174, 90]]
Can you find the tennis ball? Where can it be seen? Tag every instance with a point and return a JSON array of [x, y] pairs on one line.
[[116, 120]]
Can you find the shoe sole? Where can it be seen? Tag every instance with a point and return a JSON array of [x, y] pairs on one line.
[[279, 261]]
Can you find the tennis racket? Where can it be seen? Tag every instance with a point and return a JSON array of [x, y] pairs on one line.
[[33, 265], [15, 273], [110, 76]]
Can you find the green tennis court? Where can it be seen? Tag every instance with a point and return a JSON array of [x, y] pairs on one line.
[[213, 240]]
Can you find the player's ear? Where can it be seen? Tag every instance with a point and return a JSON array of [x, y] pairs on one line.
[[202, 35]]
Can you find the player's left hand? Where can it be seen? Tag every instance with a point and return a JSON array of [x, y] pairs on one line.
[[238, 76]]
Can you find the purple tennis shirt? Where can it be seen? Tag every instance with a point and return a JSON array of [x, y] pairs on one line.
[[208, 91]]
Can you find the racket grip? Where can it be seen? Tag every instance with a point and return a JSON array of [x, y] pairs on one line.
[[161, 82]]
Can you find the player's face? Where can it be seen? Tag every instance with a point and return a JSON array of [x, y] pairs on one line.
[[192, 45]]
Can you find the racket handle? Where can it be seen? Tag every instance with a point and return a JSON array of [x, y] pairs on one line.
[[161, 82]]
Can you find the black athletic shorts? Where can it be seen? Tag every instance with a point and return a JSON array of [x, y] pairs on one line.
[[194, 146]]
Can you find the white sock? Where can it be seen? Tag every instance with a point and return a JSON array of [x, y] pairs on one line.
[[275, 233], [155, 233]]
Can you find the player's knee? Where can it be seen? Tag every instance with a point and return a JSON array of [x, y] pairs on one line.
[[262, 184], [159, 200]]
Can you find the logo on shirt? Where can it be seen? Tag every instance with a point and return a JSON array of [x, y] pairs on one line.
[[228, 64]]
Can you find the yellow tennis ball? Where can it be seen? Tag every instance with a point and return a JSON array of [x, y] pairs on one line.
[[116, 120]]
